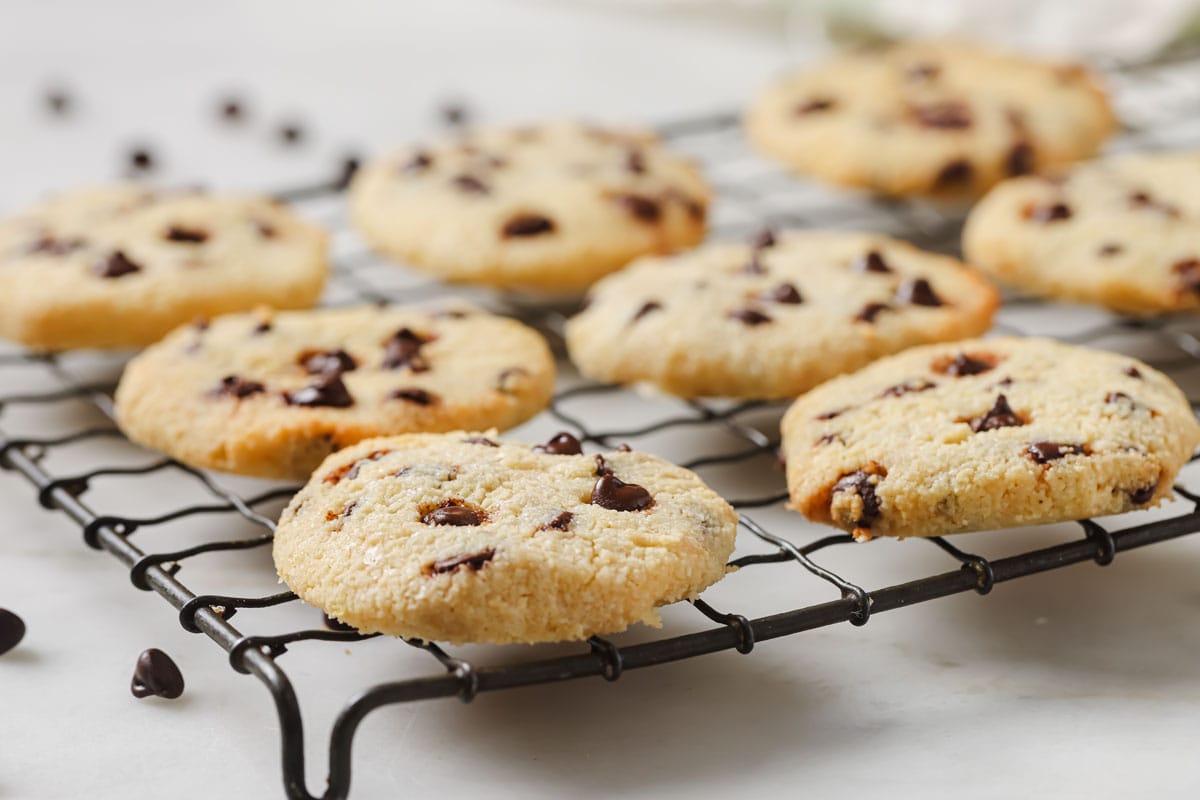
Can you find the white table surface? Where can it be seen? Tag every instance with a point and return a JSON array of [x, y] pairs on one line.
[[1077, 684]]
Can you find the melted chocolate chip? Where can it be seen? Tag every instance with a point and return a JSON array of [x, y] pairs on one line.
[[420, 162], [908, 387], [815, 105], [483, 440], [946, 115], [784, 293], [414, 395], [473, 562], [763, 239], [646, 308], [156, 674], [641, 207], [234, 386], [561, 444], [470, 184], [859, 482], [404, 350], [613, 493], [328, 390], [561, 522], [453, 512], [635, 161], [12, 630], [1043, 452], [870, 311], [918, 292], [115, 265], [527, 225], [963, 365], [1052, 212], [1133, 372], [327, 362], [749, 316], [955, 173], [602, 467], [1109, 249], [178, 233], [870, 262], [1139, 497], [1000, 415], [1019, 160]]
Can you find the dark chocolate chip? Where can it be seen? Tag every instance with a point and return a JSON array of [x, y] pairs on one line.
[[870, 311], [453, 512], [784, 293], [615, 494], [561, 444], [12, 630], [870, 262], [470, 184], [644, 208], [749, 316], [1043, 452], [291, 133], [404, 350], [1019, 160], [602, 467], [184, 235], [420, 162], [1133, 372], [918, 292], [908, 387], [763, 239], [1052, 212], [156, 674], [527, 225], [861, 484], [963, 365], [483, 440], [141, 159], [561, 522], [473, 562], [261, 328], [646, 308], [946, 115], [955, 173], [327, 390], [337, 625], [635, 161], [327, 361], [815, 105], [1000, 415], [1139, 497], [1109, 249], [413, 395], [115, 265], [234, 386]]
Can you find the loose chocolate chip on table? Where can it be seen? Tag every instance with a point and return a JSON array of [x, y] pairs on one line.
[[470, 184], [615, 494], [635, 161], [561, 444], [870, 311], [1133, 372], [815, 105], [156, 674], [1138, 497], [418, 396], [859, 482], [12, 630], [291, 133], [1043, 452], [955, 173], [648, 307], [328, 390], [327, 361], [404, 350], [908, 387], [235, 386], [749, 316], [115, 265], [918, 292], [473, 562], [1109, 249], [763, 239], [560, 523], [483, 440], [644, 208], [184, 235], [784, 293], [453, 512], [946, 115], [420, 162], [336, 624], [141, 159], [527, 225], [1019, 160], [1000, 415], [870, 262], [1051, 212]]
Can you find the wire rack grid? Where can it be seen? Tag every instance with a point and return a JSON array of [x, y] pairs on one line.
[[751, 193]]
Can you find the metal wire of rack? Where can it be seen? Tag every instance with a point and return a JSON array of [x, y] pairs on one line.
[[751, 193]]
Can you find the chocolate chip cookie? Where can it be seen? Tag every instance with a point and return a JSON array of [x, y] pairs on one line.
[[942, 119], [462, 537], [549, 207], [982, 434], [121, 266], [773, 318], [1121, 232], [272, 394]]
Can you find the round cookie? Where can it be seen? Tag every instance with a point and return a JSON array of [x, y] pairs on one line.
[[550, 207], [984, 434], [273, 394], [1121, 232], [933, 118], [121, 266], [461, 537], [775, 318]]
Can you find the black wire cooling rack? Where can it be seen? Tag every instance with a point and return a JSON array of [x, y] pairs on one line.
[[1165, 102]]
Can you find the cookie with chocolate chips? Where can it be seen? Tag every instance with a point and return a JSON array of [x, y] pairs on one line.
[[1122, 232], [121, 266], [773, 318], [986, 433], [271, 394], [937, 119], [462, 537], [551, 207]]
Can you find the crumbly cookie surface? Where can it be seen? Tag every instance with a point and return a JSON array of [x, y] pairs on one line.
[[1121, 232], [983, 434], [462, 537], [272, 394], [773, 318], [121, 266], [934, 118], [549, 207]]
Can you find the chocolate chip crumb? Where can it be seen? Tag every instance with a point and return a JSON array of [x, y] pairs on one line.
[[328, 390], [184, 235], [785, 293], [473, 562], [413, 395], [860, 482], [156, 674], [561, 522], [918, 292], [749, 316], [291, 133], [116, 265], [527, 225], [1000, 415], [456, 513], [641, 207], [1043, 452], [561, 444], [12, 630], [231, 110], [615, 494], [141, 159], [238, 387], [870, 262]]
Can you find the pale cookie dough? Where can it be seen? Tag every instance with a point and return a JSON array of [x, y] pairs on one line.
[[984, 434], [273, 394], [461, 537], [550, 207], [943, 119], [121, 266], [1121, 232], [774, 318]]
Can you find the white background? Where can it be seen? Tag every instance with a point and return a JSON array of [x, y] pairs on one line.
[[1079, 684]]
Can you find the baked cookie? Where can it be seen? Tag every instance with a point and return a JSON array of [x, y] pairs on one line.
[[121, 266], [774, 318], [942, 119], [550, 207], [991, 433], [272, 394], [461, 537], [1121, 232]]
